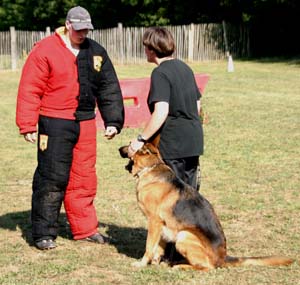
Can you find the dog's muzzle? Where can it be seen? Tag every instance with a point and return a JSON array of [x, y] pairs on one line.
[[129, 165]]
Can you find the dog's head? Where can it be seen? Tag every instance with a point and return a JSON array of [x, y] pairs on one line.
[[147, 156]]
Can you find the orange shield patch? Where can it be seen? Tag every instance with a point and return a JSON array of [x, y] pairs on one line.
[[97, 62]]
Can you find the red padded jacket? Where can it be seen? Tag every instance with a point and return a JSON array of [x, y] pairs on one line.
[[49, 84], [46, 86]]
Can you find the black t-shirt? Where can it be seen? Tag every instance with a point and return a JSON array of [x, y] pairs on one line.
[[181, 135]]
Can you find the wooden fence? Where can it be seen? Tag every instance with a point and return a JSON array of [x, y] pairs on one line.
[[195, 42]]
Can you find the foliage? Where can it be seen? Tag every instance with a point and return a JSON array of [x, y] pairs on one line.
[[274, 23], [37, 14]]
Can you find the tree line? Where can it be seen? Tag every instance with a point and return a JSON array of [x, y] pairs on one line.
[[273, 24]]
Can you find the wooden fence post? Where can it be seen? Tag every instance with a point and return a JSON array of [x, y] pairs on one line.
[[48, 31], [191, 43], [13, 48], [120, 37], [225, 38]]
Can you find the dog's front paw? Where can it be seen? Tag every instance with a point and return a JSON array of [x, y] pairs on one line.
[[139, 264], [142, 263], [156, 260]]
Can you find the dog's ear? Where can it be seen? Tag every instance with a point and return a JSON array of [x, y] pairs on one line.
[[155, 139], [151, 148], [123, 150]]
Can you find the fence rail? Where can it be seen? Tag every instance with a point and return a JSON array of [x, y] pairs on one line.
[[195, 42]]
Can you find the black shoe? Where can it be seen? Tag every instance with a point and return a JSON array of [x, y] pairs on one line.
[[45, 244], [96, 238]]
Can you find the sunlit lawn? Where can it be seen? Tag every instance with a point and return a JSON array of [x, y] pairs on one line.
[[250, 173]]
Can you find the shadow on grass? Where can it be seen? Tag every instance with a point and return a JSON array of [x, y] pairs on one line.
[[128, 241], [22, 221]]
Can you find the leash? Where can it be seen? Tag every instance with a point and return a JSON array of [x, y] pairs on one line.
[[198, 176]]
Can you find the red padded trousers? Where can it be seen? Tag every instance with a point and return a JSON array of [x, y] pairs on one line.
[[82, 186]]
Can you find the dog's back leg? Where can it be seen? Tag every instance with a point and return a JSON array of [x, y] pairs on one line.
[[197, 251]]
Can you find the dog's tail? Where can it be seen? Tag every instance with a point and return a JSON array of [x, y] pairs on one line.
[[260, 261]]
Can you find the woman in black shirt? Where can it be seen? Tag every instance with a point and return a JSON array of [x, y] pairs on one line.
[[174, 103]]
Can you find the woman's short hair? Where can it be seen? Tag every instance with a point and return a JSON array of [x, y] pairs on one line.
[[160, 40]]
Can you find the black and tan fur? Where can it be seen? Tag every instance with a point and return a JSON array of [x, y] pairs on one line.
[[177, 213]]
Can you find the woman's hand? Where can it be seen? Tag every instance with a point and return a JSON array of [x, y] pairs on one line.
[[134, 146]]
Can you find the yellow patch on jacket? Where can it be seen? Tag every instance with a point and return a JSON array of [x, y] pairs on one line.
[[97, 62]]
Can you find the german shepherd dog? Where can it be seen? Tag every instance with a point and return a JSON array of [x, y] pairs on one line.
[[177, 213]]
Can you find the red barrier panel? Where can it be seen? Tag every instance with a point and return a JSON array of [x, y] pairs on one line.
[[135, 93], [201, 80]]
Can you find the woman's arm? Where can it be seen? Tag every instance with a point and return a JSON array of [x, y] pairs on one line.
[[158, 117]]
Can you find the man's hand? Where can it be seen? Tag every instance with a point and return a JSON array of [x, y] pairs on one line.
[[30, 137], [110, 132]]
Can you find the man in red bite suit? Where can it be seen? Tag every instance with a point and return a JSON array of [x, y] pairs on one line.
[[64, 77]]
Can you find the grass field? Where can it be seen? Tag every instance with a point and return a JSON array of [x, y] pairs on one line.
[[250, 173]]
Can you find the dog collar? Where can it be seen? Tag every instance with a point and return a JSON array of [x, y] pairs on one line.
[[145, 170]]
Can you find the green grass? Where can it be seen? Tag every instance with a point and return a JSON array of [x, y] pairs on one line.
[[250, 173]]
